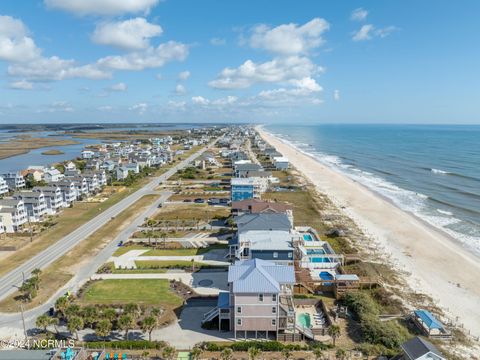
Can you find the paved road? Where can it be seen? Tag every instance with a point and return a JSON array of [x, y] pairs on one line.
[[10, 281]]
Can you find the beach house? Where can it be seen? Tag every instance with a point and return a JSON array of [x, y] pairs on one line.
[[280, 163], [419, 349], [53, 175], [259, 301], [247, 188], [53, 197], [257, 206], [13, 214], [14, 180], [69, 193], [3, 186], [35, 204]]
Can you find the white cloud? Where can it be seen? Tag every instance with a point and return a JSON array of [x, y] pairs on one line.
[[218, 41], [290, 39], [105, 108], [336, 95], [184, 75], [365, 33], [118, 87], [200, 100], [180, 89], [21, 85], [141, 108], [15, 44], [149, 58], [278, 70], [132, 34], [54, 68], [368, 32], [102, 7], [359, 14], [57, 106]]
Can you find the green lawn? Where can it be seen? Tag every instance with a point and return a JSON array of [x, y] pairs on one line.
[[171, 264], [183, 252], [124, 249], [141, 291]]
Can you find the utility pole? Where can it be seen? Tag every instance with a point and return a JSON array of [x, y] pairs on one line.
[[24, 327]]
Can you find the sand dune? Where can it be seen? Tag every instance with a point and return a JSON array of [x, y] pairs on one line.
[[439, 267]]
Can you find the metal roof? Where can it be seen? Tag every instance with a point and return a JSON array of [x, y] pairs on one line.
[[418, 347], [263, 221], [259, 276], [267, 240]]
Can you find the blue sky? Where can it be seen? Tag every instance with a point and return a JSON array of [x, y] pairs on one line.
[[256, 61]]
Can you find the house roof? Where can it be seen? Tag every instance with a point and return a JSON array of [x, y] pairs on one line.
[[418, 347], [428, 319], [256, 206], [268, 240], [264, 221], [259, 276], [247, 167]]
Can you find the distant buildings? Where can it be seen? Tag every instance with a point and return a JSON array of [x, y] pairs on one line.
[[3, 186], [13, 214], [14, 180]]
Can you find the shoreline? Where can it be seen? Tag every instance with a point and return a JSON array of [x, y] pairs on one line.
[[432, 263]]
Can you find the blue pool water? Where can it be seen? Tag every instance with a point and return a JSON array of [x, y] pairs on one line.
[[319, 260], [315, 251], [307, 237], [325, 275]]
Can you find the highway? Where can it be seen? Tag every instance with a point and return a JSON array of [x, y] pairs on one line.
[[10, 281]]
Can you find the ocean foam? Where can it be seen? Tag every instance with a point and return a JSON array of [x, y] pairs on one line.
[[438, 171]]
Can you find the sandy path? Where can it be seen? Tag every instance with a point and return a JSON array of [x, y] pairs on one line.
[[438, 266]]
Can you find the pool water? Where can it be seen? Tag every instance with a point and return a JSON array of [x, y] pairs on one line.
[[320, 260], [315, 251], [304, 320], [307, 237]]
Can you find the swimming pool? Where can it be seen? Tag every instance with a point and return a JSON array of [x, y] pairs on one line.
[[304, 320], [315, 251], [307, 237], [320, 260], [325, 275]]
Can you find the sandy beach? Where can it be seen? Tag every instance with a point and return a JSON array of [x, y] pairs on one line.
[[438, 266]]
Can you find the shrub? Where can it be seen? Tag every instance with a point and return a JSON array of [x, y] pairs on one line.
[[126, 344]]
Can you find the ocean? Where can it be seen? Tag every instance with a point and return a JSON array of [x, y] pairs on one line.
[[432, 171]]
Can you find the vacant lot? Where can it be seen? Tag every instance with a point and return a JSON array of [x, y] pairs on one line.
[[140, 291], [191, 211]]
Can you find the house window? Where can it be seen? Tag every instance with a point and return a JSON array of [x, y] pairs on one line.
[[274, 297], [239, 322], [274, 310], [290, 255], [274, 322], [260, 297], [275, 255], [239, 309]]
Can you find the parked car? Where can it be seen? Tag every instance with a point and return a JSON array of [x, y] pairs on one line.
[[187, 200], [120, 243], [199, 201]]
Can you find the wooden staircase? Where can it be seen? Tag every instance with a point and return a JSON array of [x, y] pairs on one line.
[[303, 279]]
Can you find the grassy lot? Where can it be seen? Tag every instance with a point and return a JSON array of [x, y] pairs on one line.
[[112, 270], [172, 264], [191, 211], [184, 252], [121, 291], [59, 272]]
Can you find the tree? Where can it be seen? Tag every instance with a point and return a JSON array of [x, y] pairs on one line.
[[125, 323], [334, 332], [36, 277], [74, 324], [132, 309], [226, 354], [318, 353], [42, 322], [61, 305], [72, 310], [90, 315], [109, 314], [286, 353], [195, 353], [148, 325], [103, 328], [28, 289], [168, 353], [253, 353], [54, 322]]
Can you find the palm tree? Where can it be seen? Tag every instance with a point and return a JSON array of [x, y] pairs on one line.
[[90, 315], [286, 353], [72, 310], [226, 354], [36, 277], [42, 322], [74, 324], [109, 314], [334, 332], [126, 322], [168, 353], [148, 325], [61, 305], [341, 354], [195, 353], [253, 353], [132, 309], [103, 328], [318, 353], [54, 322], [28, 289]]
